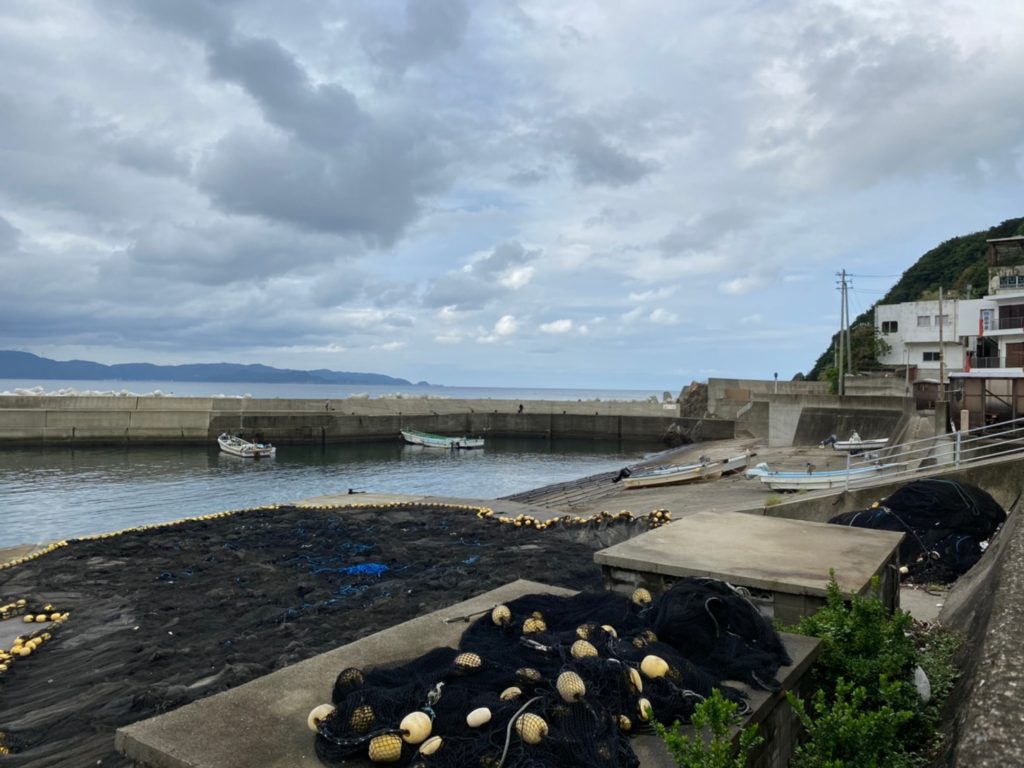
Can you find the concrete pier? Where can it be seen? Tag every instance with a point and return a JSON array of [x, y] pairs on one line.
[[31, 420]]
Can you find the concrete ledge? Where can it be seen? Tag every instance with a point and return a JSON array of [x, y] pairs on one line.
[[263, 723], [791, 556]]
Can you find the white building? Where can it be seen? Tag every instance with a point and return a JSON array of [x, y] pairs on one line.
[[975, 333], [913, 331]]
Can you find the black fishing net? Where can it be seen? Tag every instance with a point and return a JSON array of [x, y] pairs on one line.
[[946, 524], [550, 681]]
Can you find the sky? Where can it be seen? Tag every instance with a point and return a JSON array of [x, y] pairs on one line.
[[489, 192]]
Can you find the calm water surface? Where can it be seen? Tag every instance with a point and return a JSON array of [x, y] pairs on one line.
[[57, 493]]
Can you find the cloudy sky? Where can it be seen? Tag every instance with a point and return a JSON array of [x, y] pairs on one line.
[[489, 192]]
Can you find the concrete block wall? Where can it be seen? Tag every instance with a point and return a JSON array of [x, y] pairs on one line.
[[37, 420], [717, 387], [785, 412]]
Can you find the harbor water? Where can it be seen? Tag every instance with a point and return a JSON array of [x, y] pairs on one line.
[[54, 493]]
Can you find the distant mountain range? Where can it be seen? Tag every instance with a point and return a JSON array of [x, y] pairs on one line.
[[23, 365]]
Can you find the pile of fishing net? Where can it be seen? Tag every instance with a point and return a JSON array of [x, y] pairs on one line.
[[553, 681], [946, 523]]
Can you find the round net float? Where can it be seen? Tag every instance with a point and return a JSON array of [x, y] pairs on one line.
[[649, 636], [654, 666], [501, 615], [610, 630], [641, 596], [511, 693], [635, 681], [533, 625], [348, 680], [646, 712], [625, 724], [417, 726], [531, 728], [386, 748], [479, 716], [318, 714], [528, 675], [362, 718], [467, 661], [431, 745], [537, 615], [581, 649], [571, 687], [584, 631]]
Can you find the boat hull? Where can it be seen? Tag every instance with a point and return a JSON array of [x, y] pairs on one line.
[[428, 440], [819, 481], [244, 449], [673, 476], [856, 446]]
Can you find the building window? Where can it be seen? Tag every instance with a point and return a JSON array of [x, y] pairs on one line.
[[924, 321], [1011, 281], [930, 357], [941, 319], [890, 326]]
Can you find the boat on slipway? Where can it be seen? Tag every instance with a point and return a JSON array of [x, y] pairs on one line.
[[818, 481], [677, 474], [245, 449], [673, 475], [429, 440], [855, 444]]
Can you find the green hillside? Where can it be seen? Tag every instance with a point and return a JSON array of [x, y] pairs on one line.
[[952, 266]]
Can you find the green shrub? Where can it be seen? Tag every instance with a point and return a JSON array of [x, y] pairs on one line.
[[866, 696], [712, 747], [845, 731]]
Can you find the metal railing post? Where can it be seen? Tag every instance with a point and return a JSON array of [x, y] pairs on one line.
[[956, 450], [846, 480]]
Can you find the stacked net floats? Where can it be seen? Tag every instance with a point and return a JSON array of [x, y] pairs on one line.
[[553, 681]]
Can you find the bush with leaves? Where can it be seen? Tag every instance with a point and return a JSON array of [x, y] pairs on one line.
[[845, 731], [867, 712], [712, 746]]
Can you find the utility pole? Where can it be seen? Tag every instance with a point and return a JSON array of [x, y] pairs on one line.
[[942, 352], [849, 347], [843, 315]]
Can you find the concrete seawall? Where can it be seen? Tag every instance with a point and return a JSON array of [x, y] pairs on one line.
[[104, 420]]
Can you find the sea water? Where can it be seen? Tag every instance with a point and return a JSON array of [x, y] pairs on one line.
[[312, 391], [59, 492]]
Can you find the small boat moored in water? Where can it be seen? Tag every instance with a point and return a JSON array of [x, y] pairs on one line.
[[429, 440], [236, 446]]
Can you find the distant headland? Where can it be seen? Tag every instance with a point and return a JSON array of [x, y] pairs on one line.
[[24, 365]]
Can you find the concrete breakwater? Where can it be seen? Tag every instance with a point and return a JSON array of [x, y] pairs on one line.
[[28, 420]]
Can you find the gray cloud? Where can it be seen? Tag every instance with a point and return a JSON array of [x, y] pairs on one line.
[[373, 190], [9, 236], [596, 160], [322, 116], [480, 283], [431, 29]]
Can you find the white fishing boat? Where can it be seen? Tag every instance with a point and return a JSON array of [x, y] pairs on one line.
[[245, 449], [428, 440], [735, 464], [856, 445], [817, 481], [673, 475]]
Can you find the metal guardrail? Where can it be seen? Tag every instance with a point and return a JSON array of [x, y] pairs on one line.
[[946, 451]]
